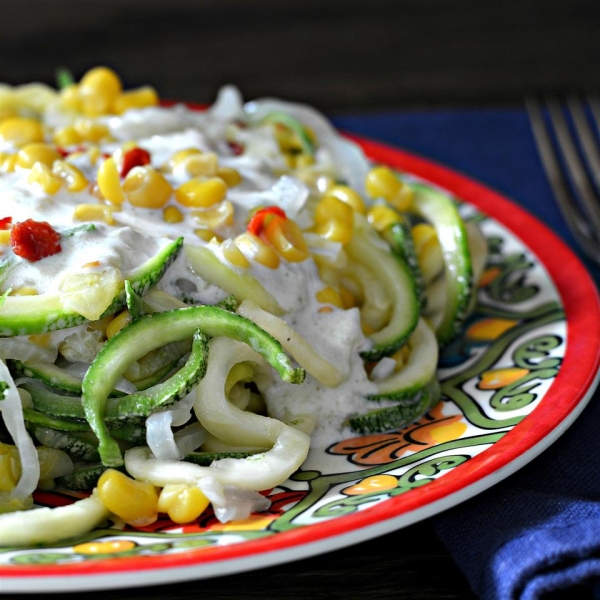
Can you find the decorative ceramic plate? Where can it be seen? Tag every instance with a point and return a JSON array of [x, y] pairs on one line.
[[524, 368]]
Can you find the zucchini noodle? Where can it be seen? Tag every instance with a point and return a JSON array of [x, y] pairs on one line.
[[191, 301]]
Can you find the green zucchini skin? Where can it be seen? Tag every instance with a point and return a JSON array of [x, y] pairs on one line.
[[441, 212], [204, 459], [29, 315], [418, 371], [397, 278], [401, 414], [154, 330]]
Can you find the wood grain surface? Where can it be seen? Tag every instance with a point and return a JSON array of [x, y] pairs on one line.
[[334, 54]]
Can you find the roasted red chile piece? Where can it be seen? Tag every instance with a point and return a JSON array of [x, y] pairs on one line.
[[135, 157], [34, 240]]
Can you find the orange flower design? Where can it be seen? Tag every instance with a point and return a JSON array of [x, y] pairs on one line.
[[383, 448]]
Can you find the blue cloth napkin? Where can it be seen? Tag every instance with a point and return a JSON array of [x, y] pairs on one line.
[[536, 534]]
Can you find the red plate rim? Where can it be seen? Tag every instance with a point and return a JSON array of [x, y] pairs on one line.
[[568, 391]]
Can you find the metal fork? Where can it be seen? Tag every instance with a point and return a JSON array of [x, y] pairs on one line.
[[570, 155]]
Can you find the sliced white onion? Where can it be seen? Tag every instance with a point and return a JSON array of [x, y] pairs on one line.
[[228, 105], [383, 369], [12, 415], [231, 503]]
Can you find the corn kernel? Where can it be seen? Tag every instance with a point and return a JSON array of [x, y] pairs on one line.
[[201, 193], [109, 182], [76, 181], [217, 216], [8, 162], [98, 89], [71, 98], [136, 502], [171, 214], [20, 131], [183, 503], [334, 220], [180, 157], [66, 136], [146, 187], [287, 239], [122, 319], [428, 250], [382, 182], [197, 164], [91, 131], [255, 249], [234, 255], [206, 234], [349, 196], [230, 176], [329, 295], [94, 212], [138, 98], [381, 216], [4, 237], [347, 297], [29, 154], [41, 175]]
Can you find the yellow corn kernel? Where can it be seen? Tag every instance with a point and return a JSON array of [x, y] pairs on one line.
[[347, 297], [206, 235], [230, 176], [8, 162], [122, 319], [381, 216], [41, 175], [171, 214], [197, 164], [287, 239], [91, 131], [183, 503], [94, 154], [146, 187], [304, 160], [334, 220], [136, 502], [349, 196], [4, 237], [201, 193], [10, 467], [233, 254], [138, 98], [76, 181], [329, 295], [66, 136], [401, 356], [20, 131], [94, 212], [181, 156], [109, 182], [382, 182], [255, 249], [428, 250], [29, 154], [71, 98], [7, 112], [98, 89], [24, 291], [216, 216]]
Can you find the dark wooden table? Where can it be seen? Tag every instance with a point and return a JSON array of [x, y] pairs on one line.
[[341, 56]]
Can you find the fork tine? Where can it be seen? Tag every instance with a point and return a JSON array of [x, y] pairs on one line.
[[581, 179], [577, 224]]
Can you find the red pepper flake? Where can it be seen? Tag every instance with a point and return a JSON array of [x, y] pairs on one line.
[[5, 223], [236, 148], [62, 151], [34, 240], [135, 157], [261, 218]]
